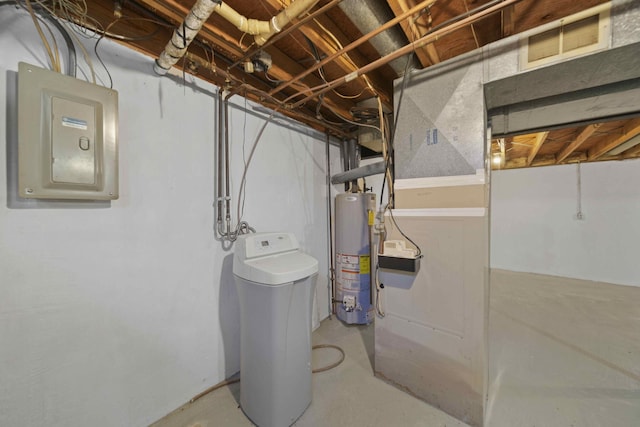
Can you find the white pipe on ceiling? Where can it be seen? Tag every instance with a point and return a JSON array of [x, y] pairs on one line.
[[200, 12]]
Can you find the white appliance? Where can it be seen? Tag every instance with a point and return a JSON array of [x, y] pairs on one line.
[[275, 283]]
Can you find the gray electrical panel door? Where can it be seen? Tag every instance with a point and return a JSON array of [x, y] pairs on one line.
[[67, 137]]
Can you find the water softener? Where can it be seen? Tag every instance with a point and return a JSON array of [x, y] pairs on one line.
[[353, 296]]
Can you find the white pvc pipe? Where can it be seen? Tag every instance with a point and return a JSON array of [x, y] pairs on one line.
[[283, 18], [200, 12]]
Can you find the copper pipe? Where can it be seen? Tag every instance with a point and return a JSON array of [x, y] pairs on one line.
[[261, 96], [353, 45], [286, 31], [231, 78], [428, 38]]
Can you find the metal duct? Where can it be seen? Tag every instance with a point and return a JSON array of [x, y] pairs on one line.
[[360, 172], [369, 15], [350, 151]]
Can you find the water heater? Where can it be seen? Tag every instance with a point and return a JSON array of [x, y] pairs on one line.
[[353, 297]]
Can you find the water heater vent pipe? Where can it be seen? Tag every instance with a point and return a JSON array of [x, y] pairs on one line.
[[200, 12]]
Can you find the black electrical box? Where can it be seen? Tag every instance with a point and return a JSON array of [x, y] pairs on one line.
[[397, 263]]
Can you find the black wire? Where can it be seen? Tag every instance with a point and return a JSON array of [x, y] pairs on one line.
[[403, 85], [390, 152], [419, 255], [384, 180], [95, 50]]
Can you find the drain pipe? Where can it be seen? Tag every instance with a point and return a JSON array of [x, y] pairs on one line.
[[223, 173], [227, 191], [279, 21], [331, 276], [200, 12]]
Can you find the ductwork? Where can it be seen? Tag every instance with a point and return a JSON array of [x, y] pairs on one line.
[[367, 16], [200, 12]]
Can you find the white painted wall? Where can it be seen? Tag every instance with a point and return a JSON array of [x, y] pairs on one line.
[[534, 227], [115, 314]]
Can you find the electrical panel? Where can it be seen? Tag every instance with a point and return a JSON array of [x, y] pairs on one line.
[[67, 137]]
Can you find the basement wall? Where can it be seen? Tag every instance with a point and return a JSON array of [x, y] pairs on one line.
[[534, 228], [116, 313]]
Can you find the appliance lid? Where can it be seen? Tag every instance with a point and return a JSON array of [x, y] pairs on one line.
[[271, 259]]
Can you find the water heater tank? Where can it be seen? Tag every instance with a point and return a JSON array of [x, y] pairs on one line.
[[353, 297]]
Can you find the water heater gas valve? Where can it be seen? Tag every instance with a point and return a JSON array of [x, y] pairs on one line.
[[349, 303]]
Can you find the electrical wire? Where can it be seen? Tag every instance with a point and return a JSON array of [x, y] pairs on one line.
[[243, 181], [73, 15], [105, 33], [393, 219], [579, 214], [317, 58], [271, 79], [339, 46], [244, 144], [95, 50], [350, 121], [54, 57]]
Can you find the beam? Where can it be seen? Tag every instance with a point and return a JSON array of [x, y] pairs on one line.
[[546, 160], [632, 153], [581, 138], [540, 139], [283, 68], [318, 37], [350, 47], [508, 27], [629, 130], [429, 55], [475, 15], [321, 32]]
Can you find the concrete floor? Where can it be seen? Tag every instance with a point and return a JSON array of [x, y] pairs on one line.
[[348, 395], [563, 352]]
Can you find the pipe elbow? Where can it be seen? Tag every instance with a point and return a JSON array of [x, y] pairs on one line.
[[256, 27], [273, 27]]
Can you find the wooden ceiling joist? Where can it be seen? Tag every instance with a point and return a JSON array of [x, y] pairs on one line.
[[436, 30], [632, 153], [540, 138], [415, 27], [347, 63], [508, 26], [629, 130], [325, 35], [580, 139], [283, 67]]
